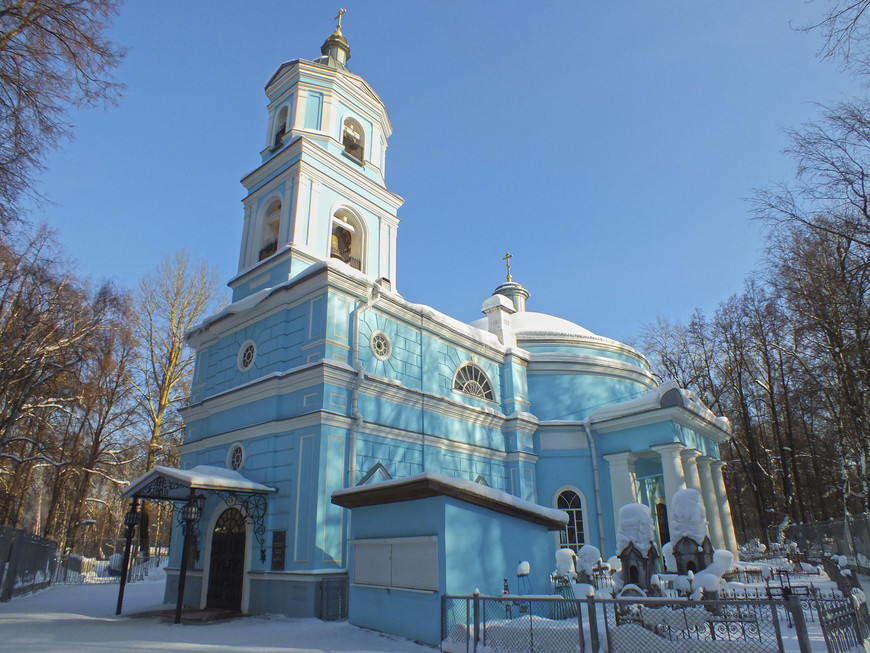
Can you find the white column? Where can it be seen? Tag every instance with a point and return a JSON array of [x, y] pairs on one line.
[[724, 507], [690, 468], [622, 474], [711, 503], [672, 468]]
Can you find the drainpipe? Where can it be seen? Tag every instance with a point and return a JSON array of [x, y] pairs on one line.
[[591, 441]]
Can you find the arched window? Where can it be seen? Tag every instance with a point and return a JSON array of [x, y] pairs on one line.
[[473, 381], [572, 535], [271, 225], [280, 127], [347, 239], [354, 140]]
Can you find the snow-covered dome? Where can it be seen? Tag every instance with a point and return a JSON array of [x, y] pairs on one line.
[[541, 324], [539, 329]]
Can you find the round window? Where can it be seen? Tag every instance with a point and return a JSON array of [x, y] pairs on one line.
[[235, 456], [381, 346], [247, 353]]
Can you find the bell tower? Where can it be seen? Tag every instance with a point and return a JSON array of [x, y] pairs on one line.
[[319, 192]]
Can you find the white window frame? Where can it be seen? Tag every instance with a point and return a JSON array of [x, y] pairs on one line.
[[584, 513]]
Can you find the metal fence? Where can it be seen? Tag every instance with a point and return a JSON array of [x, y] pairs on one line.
[[25, 562], [333, 598], [76, 570], [514, 624], [844, 536]]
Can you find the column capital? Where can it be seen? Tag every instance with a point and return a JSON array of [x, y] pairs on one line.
[[689, 454], [672, 448], [717, 464], [623, 457]]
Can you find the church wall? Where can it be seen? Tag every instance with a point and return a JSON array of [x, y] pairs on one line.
[[279, 338], [558, 469], [573, 396]]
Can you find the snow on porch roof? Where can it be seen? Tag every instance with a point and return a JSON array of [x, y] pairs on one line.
[[429, 484], [175, 484]]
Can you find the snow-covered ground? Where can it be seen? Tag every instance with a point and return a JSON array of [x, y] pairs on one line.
[[81, 619]]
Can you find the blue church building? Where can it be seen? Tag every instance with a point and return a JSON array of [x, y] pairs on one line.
[[320, 377]]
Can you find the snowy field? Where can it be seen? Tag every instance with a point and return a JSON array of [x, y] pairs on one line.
[[81, 618]]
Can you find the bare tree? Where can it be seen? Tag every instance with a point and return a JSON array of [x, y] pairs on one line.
[[845, 28], [168, 303], [53, 55]]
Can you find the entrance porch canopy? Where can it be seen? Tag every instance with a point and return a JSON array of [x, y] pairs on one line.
[[171, 484], [190, 487]]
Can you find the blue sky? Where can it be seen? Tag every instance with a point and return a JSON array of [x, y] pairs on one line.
[[609, 146]]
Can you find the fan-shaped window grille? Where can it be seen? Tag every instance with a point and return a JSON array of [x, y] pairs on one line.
[[472, 380], [572, 536]]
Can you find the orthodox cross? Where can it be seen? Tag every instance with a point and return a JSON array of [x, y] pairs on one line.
[[341, 12], [507, 259]]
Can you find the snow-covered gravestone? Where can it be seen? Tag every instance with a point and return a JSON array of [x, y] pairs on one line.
[[634, 541], [687, 520]]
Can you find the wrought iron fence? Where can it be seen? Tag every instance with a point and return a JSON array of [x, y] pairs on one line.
[[514, 624], [75, 570], [844, 536], [25, 562]]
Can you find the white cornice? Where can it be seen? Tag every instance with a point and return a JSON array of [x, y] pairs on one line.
[[319, 418], [677, 414], [565, 363], [302, 147], [350, 84]]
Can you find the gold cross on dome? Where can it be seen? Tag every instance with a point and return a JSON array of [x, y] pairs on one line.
[[341, 12], [507, 259]]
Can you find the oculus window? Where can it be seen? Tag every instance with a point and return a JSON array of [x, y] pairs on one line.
[[381, 346], [247, 354]]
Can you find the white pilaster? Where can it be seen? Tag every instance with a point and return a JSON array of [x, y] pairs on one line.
[[690, 468], [621, 480], [724, 507], [672, 468], [711, 503]]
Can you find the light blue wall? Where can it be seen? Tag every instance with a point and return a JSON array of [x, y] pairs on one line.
[[478, 549], [313, 108], [575, 396]]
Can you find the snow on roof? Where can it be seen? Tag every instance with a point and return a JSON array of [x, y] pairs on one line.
[[476, 333], [177, 483], [667, 395], [529, 325], [430, 484]]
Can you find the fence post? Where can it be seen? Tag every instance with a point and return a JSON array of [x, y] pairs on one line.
[[800, 624], [580, 627], [774, 619], [593, 622], [476, 609]]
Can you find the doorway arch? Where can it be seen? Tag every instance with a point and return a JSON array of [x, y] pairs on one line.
[[227, 565]]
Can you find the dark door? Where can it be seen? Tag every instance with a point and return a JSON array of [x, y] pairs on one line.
[[227, 561]]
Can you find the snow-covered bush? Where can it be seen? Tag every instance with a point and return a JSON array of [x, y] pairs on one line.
[[587, 557], [565, 562], [687, 516], [635, 526]]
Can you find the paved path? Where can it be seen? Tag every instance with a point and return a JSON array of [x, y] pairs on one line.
[[81, 619]]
